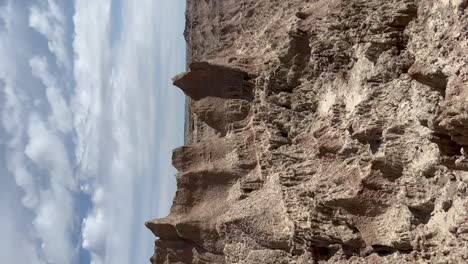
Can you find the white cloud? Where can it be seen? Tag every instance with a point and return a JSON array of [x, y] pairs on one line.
[[16, 246], [48, 19], [48, 152], [14, 171], [109, 135], [45, 148], [12, 116], [117, 128], [5, 15], [91, 70], [52, 224], [25, 180], [61, 115], [36, 157], [95, 229]]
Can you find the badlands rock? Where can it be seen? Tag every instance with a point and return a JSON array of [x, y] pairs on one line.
[[322, 131]]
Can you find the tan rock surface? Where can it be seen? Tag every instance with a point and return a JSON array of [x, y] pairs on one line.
[[322, 131]]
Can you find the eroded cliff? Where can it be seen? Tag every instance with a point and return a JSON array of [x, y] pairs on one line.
[[322, 131]]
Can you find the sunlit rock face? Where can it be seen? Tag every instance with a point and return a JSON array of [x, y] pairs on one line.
[[322, 131]]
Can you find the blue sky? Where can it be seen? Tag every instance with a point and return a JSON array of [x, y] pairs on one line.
[[88, 122]]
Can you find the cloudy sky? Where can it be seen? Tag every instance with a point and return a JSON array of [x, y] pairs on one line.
[[88, 122]]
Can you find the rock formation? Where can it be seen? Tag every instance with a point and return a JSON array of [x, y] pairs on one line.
[[322, 131]]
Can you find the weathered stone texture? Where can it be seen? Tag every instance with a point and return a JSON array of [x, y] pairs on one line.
[[322, 131]]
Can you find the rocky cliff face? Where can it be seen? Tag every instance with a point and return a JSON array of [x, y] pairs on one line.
[[322, 131]]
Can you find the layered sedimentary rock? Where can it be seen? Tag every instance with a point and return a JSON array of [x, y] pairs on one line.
[[322, 131]]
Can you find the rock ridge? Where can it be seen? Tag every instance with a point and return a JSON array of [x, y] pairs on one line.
[[322, 132]]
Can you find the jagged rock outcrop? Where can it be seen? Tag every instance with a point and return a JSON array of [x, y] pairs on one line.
[[322, 131]]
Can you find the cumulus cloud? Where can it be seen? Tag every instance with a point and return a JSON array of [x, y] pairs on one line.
[[25, 180], [52, 225], [95, 229], [36, 157], [94, 226], [12, 116], [47, 18], [17, 246], [48, 152], [61, 115]]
